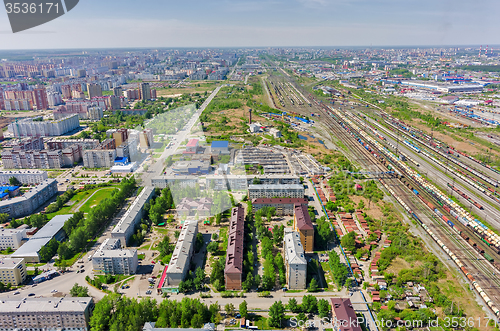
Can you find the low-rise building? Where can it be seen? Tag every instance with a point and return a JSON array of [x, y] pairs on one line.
[[343, 315], [174, 181], [183, 252], [111, 259], [283, 206], [219, 147], [11, 238], [241, 182], [295, 261], [303, 225], [12, 270], [127, 224], [41, 314], [233, 271], [275, 190], [53, 229]]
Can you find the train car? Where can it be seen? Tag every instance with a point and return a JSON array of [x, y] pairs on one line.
[[488, 257]]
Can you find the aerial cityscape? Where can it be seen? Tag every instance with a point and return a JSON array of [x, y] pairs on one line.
[[164, 170]]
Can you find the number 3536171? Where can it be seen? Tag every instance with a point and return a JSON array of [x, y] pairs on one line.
[[32, 8]]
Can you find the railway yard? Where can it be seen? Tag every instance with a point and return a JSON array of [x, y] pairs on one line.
[[450, 194]]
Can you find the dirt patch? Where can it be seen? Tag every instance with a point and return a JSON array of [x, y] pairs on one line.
[[373, 210], [399, 264]]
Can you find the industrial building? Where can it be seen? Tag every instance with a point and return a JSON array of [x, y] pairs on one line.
[[303, 225], [183, 252], [241, 182], [12, 270], [130, 220], [443, 87], [233, 271], [30, 201], [283, 206], [276, 190], [34, 127], [111, 259], [29, 177], [273, 162], [295, 261], [219, 147], [53, 229], [11, 238], [191, 167], [43, 314], [174, 181], [344, 315]]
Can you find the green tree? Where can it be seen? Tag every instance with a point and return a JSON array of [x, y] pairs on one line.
[[293, 305], [323, 308], [349, 241], [243, 309], [79, 291], [14, 181], [4, 217], [229, 308], [164, 246], [309, 304], [276, 314], [313, 286], [213, 247]]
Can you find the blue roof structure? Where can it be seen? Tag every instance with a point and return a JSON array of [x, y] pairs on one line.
[[220, 144], [123, 160], [3, 194]]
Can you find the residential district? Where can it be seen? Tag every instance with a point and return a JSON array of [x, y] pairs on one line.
[[332, 189]]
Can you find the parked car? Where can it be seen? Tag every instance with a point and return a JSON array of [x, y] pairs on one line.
[[31, 294]]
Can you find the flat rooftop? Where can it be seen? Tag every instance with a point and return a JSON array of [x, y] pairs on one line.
[[44, 305]]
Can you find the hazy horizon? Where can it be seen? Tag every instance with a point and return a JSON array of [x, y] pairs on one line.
[[259, 23]]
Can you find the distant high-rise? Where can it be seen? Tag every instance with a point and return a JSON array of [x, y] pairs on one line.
[[145, 91], [66, 91], [94, 90], [40, 98], [117, 91], [81, 73]]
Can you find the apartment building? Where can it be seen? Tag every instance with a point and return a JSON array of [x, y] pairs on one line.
[[303, 225], [12, 270], [11, 238], [42, 159], [64, 143], [36, 127], [275, 190], [174, 181], [25, 177], [344, 315], [146, 138], [130, 220], [29, 201], [99, 158], [43, 314], [233, 271], [183, 252], [283, 206], [295, 261], [111, 259]]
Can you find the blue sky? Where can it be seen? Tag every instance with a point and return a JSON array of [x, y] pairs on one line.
[[223, 23]]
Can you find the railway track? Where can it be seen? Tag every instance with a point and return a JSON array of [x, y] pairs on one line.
[[482, 271]]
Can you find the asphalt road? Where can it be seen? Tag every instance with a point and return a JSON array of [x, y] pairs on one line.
[[157, 168]]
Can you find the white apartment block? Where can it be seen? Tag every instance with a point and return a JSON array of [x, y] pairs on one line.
[[25, 177], [31, 127], [11, 238], [29, 201], [295, 261], [276, 190], [111, 259], [99, 158], [12, 270], [46, 314], [183, 252]]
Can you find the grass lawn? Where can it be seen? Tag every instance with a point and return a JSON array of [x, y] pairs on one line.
[[96, 198]]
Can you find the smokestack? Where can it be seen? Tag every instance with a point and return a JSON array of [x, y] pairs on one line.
[[250, 115]]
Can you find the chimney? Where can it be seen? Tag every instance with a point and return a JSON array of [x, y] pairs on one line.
[[250, 115]]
